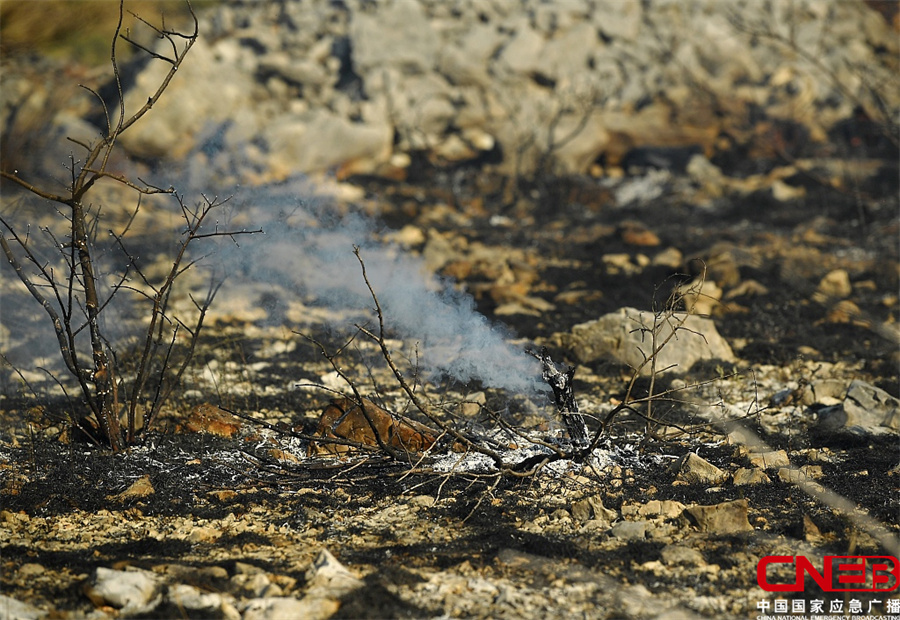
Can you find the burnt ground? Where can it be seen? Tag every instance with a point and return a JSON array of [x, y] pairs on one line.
[[508, 546]]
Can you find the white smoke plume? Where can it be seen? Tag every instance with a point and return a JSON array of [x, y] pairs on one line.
[[307, 249]]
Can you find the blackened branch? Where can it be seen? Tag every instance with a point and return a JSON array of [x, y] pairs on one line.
[[564, 395]]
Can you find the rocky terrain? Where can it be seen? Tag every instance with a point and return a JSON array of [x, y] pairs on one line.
[[588, 178]]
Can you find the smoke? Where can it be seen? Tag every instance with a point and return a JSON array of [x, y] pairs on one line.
[[307, 250]]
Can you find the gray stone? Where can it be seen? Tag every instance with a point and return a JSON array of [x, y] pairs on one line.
[[522, 54], [132, 591], [620, 19], [625, 336], [287, 608], [396, 34], [567, 54], [12, 609], [680, 554], [866, 410], [329, 578], [630, 530], [201, 604], [209, 87], [321, 140]]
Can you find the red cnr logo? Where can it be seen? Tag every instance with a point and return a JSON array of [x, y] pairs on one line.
[[853, 573]]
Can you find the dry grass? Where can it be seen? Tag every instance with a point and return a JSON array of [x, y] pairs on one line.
[[78, 30]]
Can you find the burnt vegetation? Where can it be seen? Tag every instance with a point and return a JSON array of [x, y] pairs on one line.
[[80, 268]]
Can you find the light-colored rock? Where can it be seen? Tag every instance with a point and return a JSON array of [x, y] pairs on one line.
[[746, 475], [802, 474], [132, 591], [630, 530], [720, 519], [770, 460], [328, 577], [287, 608], [667, 508], [201, 604], [866, 410], [396, 34], [12, 609], [626, 336], [208, 87], [836, 284], [592, 508], [681, 555], [696, 470], [321, 140], [522, 54]]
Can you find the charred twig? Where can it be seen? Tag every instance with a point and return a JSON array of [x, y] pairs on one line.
[[564, 395]]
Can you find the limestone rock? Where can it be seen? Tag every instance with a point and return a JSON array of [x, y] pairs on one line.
[[396, 34], [197, 603], [287, 607], [866, 410], [696, 470], [17, 610], [625, 336], [630, 530], [770, 460], [131, 591], [322, 140], [724, 518], [209, 86], [747, 475]]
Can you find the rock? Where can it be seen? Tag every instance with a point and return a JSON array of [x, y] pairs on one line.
[[522, 54], [320, 140], [254, 583], [803, 474], [625, 336], [131, 591], [30, 570], [638, 602], [836, 285], [209, 87], [568, 53], [667, 508], [825, 392], [681, 555], [195, 603], [396, 34], [770, 460], [592, 508], [209, 418], [783, 192], [630, 530], [142, 487], [700, 296], [745, 476], [329, 578], [720, 519], [866, 410], [13, 609], [287, 608], [696, 470]]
